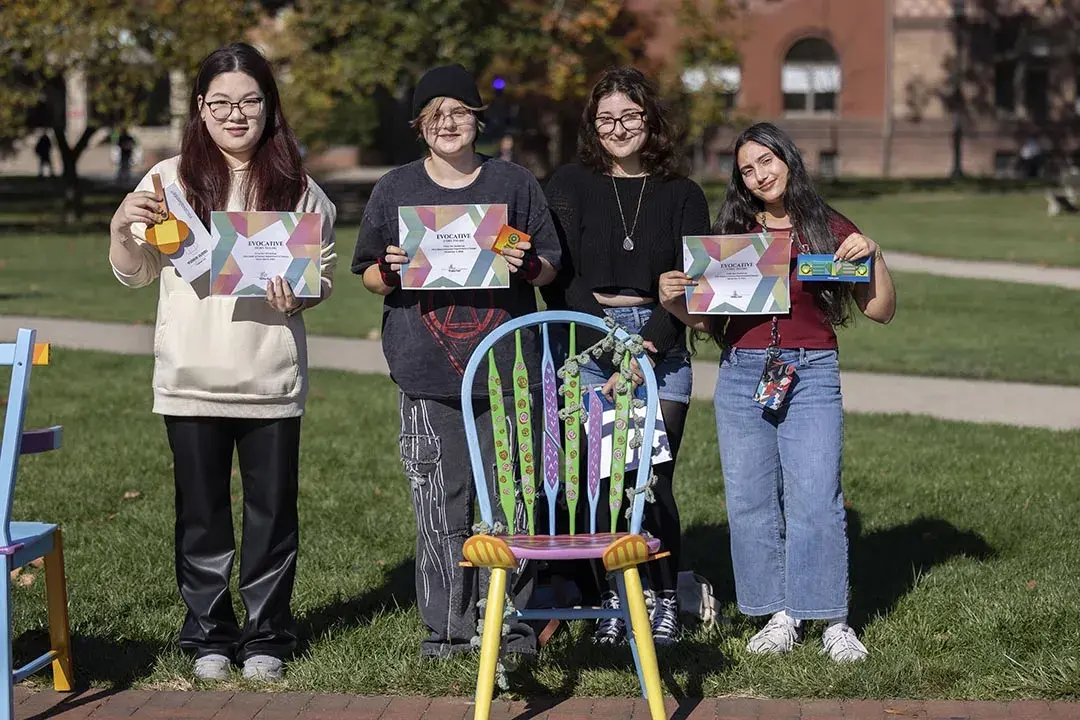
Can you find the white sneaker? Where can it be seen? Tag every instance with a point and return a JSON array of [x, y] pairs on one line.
[[212, 667], [840, 642], [779, 635], [265, 668]]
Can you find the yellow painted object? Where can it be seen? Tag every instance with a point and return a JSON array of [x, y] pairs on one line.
[[627, 551], [642, 629], [170, 235], [41, 354], [489, 551], [59, 627], [489, 643]]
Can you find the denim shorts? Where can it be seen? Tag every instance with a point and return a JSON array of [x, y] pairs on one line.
[[674, 376]]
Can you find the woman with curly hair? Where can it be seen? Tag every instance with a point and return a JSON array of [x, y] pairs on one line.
[[621, 211]]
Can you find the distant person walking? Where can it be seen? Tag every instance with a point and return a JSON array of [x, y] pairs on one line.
[[126, 144], [43, 149]]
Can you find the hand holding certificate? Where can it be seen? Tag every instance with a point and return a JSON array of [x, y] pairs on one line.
[[454, 247], [738, 274], [252, 248]]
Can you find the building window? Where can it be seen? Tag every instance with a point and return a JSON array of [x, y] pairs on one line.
[[810, 78], [1021, 69], [828, 164], [723, 79]]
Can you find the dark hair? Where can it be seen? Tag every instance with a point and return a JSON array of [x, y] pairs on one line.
[[660, 155], [275, 179], [811, 217]]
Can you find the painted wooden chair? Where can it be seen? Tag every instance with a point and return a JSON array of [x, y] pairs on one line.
[[560, 454], [23, 542]]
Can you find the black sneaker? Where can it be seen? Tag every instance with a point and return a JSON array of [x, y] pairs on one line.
[[609, 631], [664, 619]]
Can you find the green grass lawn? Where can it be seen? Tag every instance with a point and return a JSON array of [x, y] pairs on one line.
[[949, 327], [962, 540], [1012, 227]]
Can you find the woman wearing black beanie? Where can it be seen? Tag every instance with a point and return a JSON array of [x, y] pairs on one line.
[[429, 335]]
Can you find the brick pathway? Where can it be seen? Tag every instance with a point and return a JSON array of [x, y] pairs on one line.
[[144, 705]]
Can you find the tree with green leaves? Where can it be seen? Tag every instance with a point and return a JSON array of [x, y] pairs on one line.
[[116, 49]]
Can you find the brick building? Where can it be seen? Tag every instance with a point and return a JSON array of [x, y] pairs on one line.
[[866, 87]]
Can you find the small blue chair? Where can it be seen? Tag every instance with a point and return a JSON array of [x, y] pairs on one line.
[[558, 455], [23, 542]]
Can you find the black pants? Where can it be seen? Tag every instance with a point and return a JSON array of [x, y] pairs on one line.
[[269, 453]]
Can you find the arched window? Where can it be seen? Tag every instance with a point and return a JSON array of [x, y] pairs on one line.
[[811, 78]]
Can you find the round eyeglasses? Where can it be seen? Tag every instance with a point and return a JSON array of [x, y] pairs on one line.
[[248, 107], [631, 122]]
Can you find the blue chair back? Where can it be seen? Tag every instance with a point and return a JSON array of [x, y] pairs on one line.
[[561, 438], [19, 356]]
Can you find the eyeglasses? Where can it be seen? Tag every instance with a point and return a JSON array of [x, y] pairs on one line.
[[631, 122], [222, 109], [459, 115]]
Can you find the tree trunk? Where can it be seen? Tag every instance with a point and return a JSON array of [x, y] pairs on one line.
[[70, 154]]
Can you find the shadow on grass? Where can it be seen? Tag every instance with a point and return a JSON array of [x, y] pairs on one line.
[[113, 662], [886, 564], [398, 588]]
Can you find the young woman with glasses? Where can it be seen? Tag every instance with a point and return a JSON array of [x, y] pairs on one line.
[[621, 211], [429, 335], [230, 373]]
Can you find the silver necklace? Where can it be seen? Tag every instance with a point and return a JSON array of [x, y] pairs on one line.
[[628, 241]]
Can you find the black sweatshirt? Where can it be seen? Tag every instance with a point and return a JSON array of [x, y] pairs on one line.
[[591, 232]]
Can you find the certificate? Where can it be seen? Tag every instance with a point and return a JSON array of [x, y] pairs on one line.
[[738, 274], [452, 247], [251, 248]]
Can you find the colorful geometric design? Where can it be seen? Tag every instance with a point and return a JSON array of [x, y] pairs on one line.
[[250, 248], [523, 421], [570, 547], [419, 227], [504, 460], [619, 447], [738, 274], [551, 431], [595, 430]]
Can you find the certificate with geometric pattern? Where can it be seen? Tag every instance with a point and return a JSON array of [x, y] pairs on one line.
[[738, 274], [451, 247], [251, 248]]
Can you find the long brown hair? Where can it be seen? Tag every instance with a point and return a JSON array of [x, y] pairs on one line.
[[275, 177], [660, 155]]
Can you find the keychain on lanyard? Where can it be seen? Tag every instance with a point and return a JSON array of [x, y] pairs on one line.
[[778, 376]]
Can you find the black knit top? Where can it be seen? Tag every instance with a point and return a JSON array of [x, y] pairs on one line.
[[592, 234]]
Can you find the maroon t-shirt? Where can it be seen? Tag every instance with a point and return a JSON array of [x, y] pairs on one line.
[[806, 326]]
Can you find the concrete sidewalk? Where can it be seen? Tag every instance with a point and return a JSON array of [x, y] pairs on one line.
[[1040, 406], [1068, 278]]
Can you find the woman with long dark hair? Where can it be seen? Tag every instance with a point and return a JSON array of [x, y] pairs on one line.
[[621, 212], [782, 468], [230, 372]]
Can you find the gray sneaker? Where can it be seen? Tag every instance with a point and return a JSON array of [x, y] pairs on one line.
[[265, 668], [212, 667]]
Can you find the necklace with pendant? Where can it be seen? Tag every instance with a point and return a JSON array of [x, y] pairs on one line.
[[628, 241]]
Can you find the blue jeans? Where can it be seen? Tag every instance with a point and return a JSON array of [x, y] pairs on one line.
[[782, 484], [674, 378]]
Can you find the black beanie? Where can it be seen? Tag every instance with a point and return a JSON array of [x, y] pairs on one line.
[[452, 81]]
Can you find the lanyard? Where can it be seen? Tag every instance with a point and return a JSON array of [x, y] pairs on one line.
[[774, 342]]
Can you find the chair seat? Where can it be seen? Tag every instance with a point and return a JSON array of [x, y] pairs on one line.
[[29, 541], [568, 547]]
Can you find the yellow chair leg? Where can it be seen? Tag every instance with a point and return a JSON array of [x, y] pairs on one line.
[[59, 628], [489, 643], [639, 621]]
